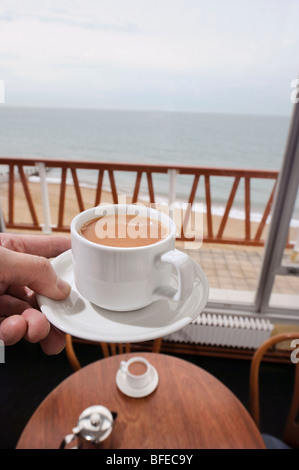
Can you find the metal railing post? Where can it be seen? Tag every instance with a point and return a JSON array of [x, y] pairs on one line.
[[172, 191], [47, 227]]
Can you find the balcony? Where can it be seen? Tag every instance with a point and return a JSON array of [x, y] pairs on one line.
[[229, 250]]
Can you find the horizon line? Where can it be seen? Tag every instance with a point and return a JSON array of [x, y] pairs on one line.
[[142, 110]]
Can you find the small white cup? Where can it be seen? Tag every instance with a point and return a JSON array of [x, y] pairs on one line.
[[124, 279], [136, 380]]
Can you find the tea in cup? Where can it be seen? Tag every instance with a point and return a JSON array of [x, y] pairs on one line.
[[121, 230]]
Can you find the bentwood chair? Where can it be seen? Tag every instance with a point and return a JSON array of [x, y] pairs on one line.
[[290, 438], [108, 349]]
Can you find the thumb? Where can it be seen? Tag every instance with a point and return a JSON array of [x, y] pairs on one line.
[[33, 271]]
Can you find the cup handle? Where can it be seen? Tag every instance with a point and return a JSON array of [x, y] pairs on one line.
[[123, 366], [185, 271]]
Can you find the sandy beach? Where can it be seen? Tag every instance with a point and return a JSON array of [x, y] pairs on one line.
[[235, 228]]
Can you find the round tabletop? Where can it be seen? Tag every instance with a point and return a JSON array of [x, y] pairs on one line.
[[189, 409]]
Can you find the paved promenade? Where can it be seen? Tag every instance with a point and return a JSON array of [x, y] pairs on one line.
[[238, 268]]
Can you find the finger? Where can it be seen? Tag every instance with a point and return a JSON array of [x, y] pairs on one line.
[[33, 326], [54, 343], [36, 272], [38, 326], [13, 329], [23, 293], [39, 245], [11, 306]]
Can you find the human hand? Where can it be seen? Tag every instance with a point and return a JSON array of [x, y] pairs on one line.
[[24, 272]]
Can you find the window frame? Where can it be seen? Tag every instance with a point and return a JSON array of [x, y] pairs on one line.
[[281, 214]]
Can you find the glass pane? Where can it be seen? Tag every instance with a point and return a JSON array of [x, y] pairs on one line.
[[232, 271], [285, 292]]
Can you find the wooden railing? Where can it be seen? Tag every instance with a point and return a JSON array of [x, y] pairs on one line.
[[16, 169]]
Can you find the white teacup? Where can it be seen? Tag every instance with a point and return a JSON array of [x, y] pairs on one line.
[[137, 372], [124, 279]]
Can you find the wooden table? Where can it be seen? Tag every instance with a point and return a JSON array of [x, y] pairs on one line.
[[190, 409]]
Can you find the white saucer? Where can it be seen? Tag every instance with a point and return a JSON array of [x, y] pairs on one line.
[[82, 319], [121, 382]]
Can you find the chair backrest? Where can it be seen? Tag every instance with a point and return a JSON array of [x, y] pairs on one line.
[[291, 431], [108, 349]]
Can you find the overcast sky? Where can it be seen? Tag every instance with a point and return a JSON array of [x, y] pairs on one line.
[[178, 55]]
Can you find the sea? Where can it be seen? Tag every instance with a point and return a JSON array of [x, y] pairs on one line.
[[197, 139]]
